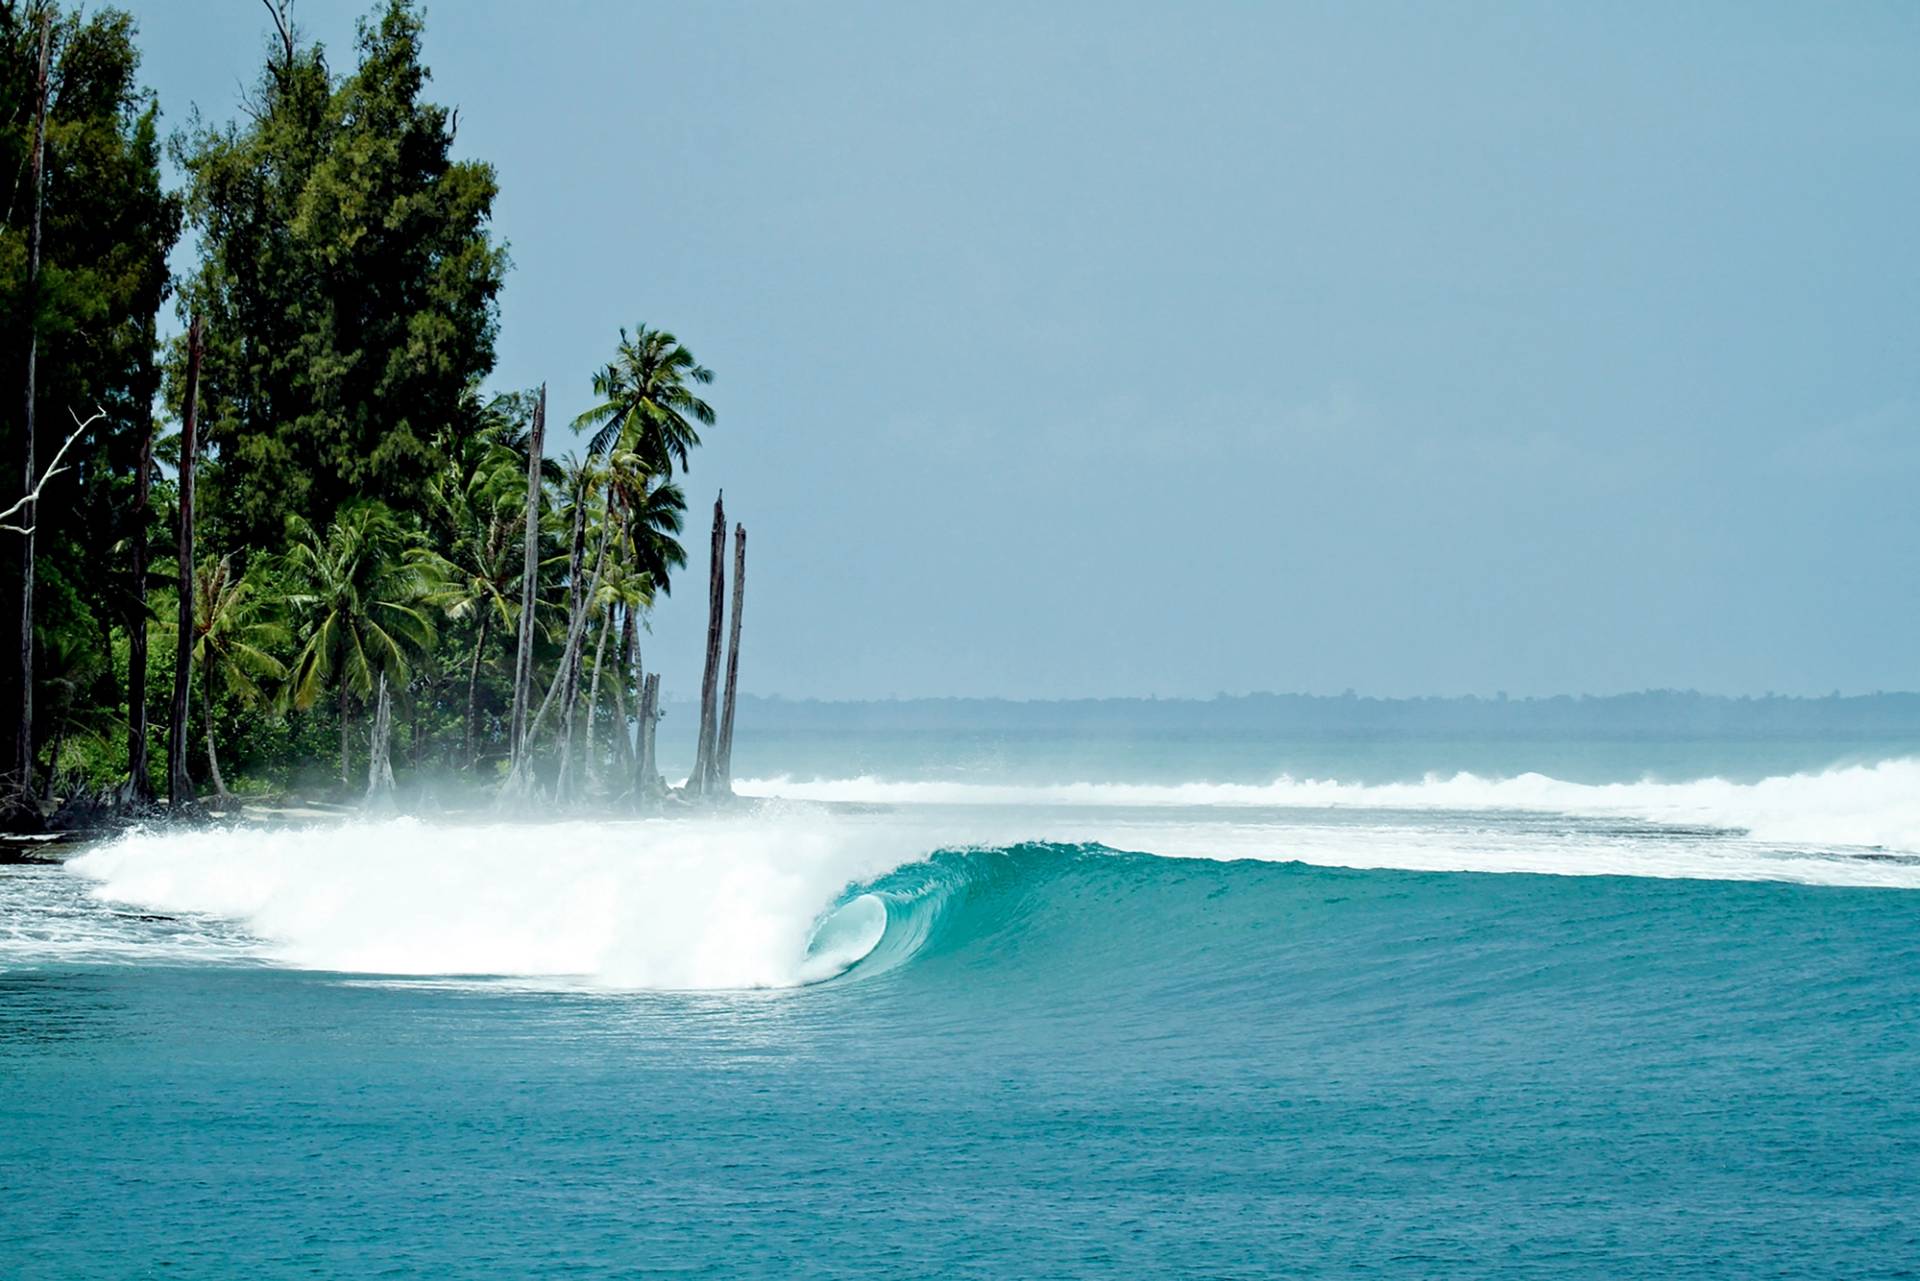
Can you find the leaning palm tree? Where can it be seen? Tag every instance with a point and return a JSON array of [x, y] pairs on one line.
[[363, 586], [231, 632], [647, 401]]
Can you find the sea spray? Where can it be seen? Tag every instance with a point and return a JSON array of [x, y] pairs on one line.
[[762, 898], [661, 904]]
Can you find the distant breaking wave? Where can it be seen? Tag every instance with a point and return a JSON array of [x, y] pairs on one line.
[[1874, 805]]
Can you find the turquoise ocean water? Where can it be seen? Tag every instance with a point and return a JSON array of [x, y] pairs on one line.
[[1010, 1012]]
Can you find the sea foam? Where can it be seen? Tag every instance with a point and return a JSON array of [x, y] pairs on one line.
[[767, 897]]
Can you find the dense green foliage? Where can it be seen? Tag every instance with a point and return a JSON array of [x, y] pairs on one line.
[[107, 227], [361, 509]]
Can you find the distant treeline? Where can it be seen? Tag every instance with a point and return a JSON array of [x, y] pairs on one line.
[[1667, 714]]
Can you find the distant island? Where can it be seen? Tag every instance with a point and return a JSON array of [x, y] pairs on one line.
[[1676, 714]]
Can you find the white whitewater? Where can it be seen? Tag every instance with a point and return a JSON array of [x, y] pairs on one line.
[[1876, 805], [739, 902]]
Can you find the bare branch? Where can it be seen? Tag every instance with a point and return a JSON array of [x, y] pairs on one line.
[[278, 9], [53, 469]]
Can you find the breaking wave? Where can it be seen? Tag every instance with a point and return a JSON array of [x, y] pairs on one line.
[[1875, 805], [793, 893]]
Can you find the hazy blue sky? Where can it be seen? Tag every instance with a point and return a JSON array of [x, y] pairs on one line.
[[1129, 349]]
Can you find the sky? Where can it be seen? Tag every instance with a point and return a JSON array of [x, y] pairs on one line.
[[1108, 349]]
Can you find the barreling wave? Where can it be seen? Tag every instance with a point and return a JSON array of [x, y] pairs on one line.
[[1873, 805], [796, 893]]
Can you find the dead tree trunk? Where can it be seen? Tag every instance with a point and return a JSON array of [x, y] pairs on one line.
[[700, 781], [520, 778], [380, 750], [723, 754], [649, 771], [137, 791], [529, 586], [622, 763], [593, 698], [179, 781], [570, 663], [578, 620], [20, 762], [630, 642]]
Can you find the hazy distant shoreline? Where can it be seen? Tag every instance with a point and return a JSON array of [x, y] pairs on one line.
[[1680, 714]]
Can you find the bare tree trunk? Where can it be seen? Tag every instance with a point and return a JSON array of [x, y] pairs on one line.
[[570, 662], [520, 777], [380, 750], [220, 793], [473, 685], [20, 762], [137, 792], [179, 781], [649, 788], [723, 755], [577, 622], [622, 763], [630, 642], [700, 781], [529, 586], [593, 697]]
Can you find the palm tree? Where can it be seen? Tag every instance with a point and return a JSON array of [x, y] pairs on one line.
[[478, 572], [363, 588], [231, 630], [647, 401], [654, 509]]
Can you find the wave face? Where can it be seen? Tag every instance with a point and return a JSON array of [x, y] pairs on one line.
[[799, 892]]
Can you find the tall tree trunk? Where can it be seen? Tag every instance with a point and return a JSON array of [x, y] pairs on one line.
[[630, 646], [179, 781], [649, 788], [529, 586], [520, 777], [723, 754], [20, 755], [577, 622], [593, 697], [220, 793], [570, 662], [473, 684], [622, 763], [346, 766], [137, 792], [380, 750], [700, 781]]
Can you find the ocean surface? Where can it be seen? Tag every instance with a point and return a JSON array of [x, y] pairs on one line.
[[1002, 1007]]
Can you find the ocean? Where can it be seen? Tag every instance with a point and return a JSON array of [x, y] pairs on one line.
[[1031, 1003]]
